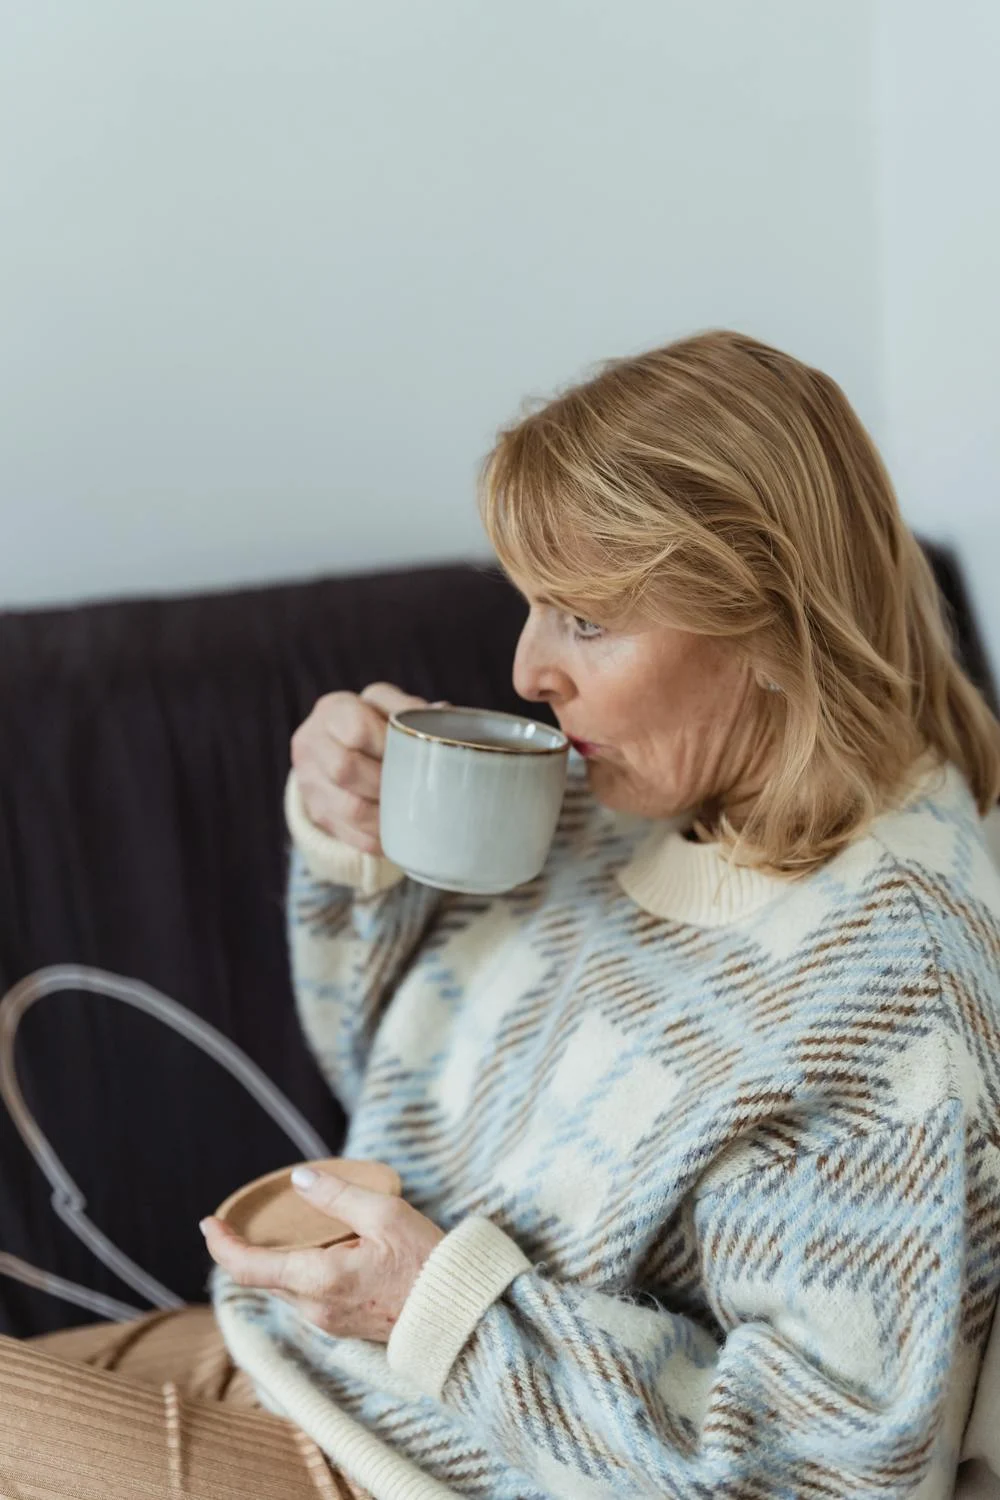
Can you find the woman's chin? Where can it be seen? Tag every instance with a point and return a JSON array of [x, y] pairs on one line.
[[614, 789]]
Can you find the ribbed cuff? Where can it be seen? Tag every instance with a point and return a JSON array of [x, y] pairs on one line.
[[462, 1277], [330, 859]]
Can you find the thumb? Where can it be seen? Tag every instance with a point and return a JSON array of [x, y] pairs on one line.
[[361, 1208], [389, 699]]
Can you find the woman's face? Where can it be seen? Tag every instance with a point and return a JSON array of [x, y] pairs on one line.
[[663, 717]]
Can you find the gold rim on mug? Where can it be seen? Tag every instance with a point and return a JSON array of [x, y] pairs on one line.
[[440, 739]]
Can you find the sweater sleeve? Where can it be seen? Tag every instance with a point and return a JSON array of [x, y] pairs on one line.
[[836, 1281], [355, 923]]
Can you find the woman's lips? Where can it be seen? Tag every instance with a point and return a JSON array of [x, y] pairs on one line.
[[583, 747]]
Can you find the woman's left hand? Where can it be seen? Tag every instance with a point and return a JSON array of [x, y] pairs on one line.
[[352, 1290]]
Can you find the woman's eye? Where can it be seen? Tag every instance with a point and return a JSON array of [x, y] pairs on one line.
[[586, 629]]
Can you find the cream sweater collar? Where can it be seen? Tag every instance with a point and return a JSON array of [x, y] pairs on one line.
[[697, 884]]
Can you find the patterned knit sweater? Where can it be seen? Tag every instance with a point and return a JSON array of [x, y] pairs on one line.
[[716, 1154]]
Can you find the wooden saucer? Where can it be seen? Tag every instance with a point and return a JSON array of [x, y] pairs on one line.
[[270, 1213]]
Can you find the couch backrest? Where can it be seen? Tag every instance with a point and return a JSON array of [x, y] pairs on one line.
[[143, 752]]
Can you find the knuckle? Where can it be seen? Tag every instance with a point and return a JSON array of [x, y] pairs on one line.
[[387, 1217], [355, 837], [331, 703], [314, 725], [306, 777], [353, 726], [316, 808], [299, 746], [328, 1187], [330, 711], [341, 763], [357, 810]]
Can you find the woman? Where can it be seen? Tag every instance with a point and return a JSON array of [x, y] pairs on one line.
[[697, 1131]]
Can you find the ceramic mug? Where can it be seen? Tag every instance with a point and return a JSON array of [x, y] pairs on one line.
[[470, 797]]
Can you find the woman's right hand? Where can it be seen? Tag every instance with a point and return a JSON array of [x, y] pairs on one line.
[[337, 757]]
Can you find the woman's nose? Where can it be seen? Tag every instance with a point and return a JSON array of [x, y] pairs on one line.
[[538, 676]]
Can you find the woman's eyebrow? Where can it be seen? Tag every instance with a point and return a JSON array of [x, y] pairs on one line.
[[536, 598], [544, 600]]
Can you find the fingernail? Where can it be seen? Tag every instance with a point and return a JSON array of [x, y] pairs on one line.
[[303, 1177], [203, 1225]]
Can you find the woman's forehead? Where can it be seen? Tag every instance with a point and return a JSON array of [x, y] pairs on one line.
[[537, 592]]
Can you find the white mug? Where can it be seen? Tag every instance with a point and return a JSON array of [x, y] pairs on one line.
[[470, 798]]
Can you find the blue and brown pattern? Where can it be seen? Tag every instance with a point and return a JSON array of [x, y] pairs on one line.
[[755, 1165]]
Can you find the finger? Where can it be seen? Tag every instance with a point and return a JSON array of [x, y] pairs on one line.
[[249, 1265], [363, 1210], [365, 843], [346, 719], [389, 699], [296, 1271], [337, 811], [352, 770]]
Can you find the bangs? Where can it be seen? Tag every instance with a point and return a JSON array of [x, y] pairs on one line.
[[552, 525]]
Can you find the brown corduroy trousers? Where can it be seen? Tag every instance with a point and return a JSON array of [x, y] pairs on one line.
[[152, 1409]]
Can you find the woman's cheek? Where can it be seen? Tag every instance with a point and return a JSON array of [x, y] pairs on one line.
[[614, 685]]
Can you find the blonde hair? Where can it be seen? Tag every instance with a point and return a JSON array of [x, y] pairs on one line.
[[725, 487]]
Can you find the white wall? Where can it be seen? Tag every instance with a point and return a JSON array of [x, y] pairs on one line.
[[939, 130], [271, 275]]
